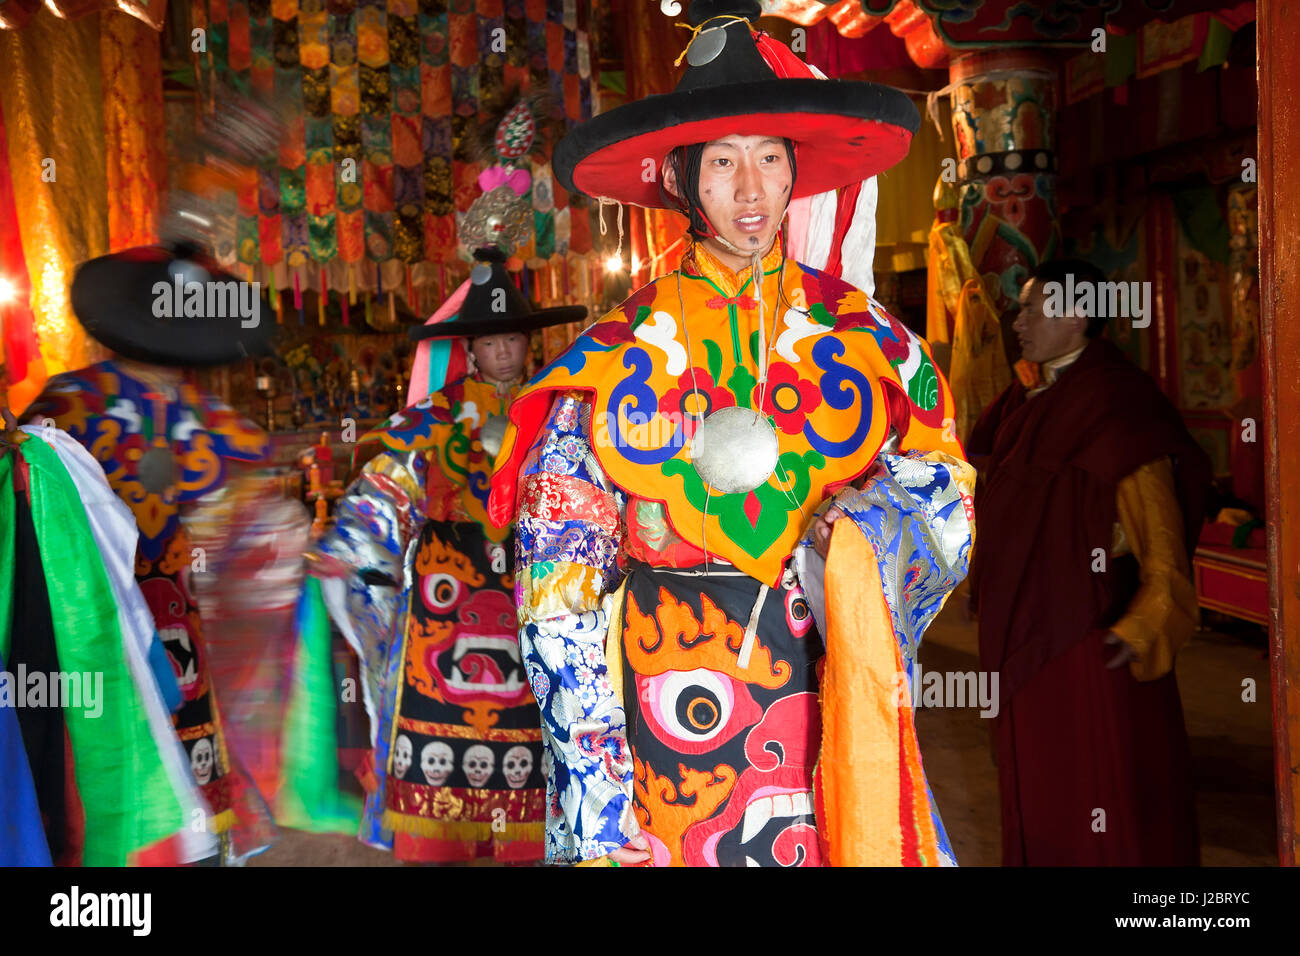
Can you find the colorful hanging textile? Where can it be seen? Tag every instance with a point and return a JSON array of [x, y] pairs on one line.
[[976, 24], [115, 533], [383, 97], [22, 838], [131, 64], [22, 830], [310, 798], [958, 312]]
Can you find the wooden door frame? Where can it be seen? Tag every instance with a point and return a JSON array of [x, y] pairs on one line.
[[1278, 56]]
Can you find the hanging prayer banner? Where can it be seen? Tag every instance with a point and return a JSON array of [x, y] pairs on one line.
[[380, 102]]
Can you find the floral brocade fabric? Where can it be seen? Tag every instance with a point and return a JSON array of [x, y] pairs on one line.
[[833, 354]]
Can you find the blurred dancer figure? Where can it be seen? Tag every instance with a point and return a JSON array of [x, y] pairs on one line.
[[162, 444]]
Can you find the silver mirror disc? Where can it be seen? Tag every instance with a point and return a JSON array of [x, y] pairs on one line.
[[157, 470], [706, 46], [492, 434], [480, 274], [735, 450]]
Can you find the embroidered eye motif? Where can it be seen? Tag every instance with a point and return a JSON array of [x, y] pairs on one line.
[[442, 592], [696, 711], [798, 615]]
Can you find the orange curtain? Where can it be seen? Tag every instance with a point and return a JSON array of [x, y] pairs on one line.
[[131, 63], [82, 102], [53, 117]]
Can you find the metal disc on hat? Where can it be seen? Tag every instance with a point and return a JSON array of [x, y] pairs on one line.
[[481, 274], [188, 271], [735, 450], [157, 470], [706, 46]]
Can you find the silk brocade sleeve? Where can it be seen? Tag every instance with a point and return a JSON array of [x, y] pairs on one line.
[[567, 540]]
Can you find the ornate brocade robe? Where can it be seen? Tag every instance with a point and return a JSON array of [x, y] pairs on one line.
[[695, 702]]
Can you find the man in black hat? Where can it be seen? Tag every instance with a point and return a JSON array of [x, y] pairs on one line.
[[455, 771], [163, 444], [695, 438]]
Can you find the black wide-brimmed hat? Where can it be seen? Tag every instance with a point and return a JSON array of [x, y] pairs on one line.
[[495, 306], [171, 306], [843, 131]]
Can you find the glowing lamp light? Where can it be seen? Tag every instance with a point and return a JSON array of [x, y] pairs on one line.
[[636, 264], [8, 292], [614, 264]]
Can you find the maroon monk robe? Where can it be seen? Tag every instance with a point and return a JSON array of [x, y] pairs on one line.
[[1074, 737]]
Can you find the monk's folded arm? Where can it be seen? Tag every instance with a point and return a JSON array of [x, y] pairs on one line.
[[1163, 614]]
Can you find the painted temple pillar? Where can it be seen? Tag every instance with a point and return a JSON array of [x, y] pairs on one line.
[[1004, 105], [1243, 278]]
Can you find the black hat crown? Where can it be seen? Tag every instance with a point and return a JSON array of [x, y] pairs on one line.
[[726, 52], [494, 305], [492, 294]]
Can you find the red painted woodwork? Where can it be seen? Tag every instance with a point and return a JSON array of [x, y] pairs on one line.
[[1279, 233]]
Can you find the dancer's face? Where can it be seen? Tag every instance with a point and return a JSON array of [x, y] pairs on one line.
[[745, 184], [501, 358]]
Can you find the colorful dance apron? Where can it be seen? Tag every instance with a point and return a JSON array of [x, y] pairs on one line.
[[456, 769], [464, 767], [724, 732]]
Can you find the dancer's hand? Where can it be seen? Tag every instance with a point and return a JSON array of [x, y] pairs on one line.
[[822, 530], [636, 851]]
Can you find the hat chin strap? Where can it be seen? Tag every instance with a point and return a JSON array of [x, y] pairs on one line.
[[755, 258], [732, 247]]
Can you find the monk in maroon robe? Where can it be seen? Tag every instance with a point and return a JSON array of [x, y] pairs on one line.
[[1090, 505]]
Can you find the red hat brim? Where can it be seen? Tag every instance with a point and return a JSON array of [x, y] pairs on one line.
[[844, 132]]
